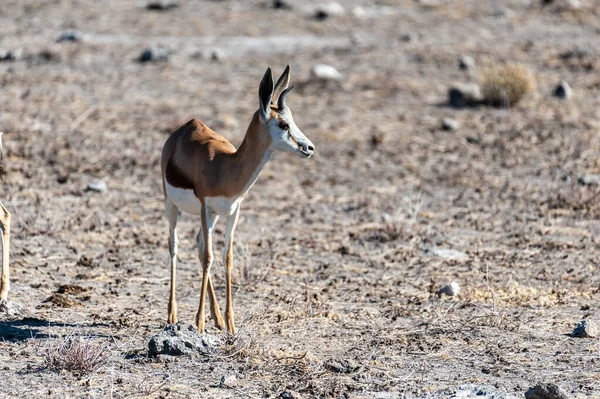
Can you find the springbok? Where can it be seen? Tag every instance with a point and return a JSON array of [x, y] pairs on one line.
[[203, 174], [5, 227]]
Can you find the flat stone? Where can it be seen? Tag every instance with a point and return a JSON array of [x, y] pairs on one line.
[[97, 186], [451, 289], [154, 55], [325, 72], [589, 180], [181, 339], [586, 329], [546, 391], [332, 9], [473, 391], [72, 36], [450, 254], [463, 95], [466, 63], [563, 90], [450, 124], [162, 5]]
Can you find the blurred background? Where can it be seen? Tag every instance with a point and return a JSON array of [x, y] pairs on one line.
[[457, 141]]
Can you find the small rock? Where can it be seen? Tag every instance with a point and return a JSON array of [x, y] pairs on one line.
[[450, 124], [586, 329], [451, 289], [325, 72], [180, 339], [10, 55], [213, 54], [504, 13], [11, 309], [72, 36], [228, 381], [327, 10], [589, 180], [341, 366], [563, 90], [450, 254], [359, 12], [162, 5], [154, 55], [282, 5], [545, 391], [463, 95], [466, 63], [472, 391], [409, 37], [288, 395], [97, 186]]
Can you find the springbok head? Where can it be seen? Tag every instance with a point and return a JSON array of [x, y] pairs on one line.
[[277, 116]]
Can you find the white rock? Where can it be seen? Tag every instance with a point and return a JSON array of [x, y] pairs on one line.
[[331, 9], [451, 289], [325, 72], [450, 124], [563, 90], [97, 186]]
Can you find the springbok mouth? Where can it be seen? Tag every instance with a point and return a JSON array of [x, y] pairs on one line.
[[306, 153]]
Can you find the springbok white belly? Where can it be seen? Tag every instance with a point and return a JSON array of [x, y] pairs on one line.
[[187, 201]]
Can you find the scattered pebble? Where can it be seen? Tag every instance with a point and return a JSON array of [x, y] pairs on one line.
[[325, 72], [10, 55], [462, 95], [586, 329], [409, 37], [97, 186], [359, 12], [282, 5], [341, 366], [451, 289], [450, 254], [563, 90], [228, 381], [589, 180], [180, 339], [472, 391], [545, 391], [154, 55], [327, 10], [162, 5], [213, 54], [72, 36], [466, 63], [450, 124]]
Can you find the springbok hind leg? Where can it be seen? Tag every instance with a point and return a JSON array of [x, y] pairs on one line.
[[171, 212], [5, 227]]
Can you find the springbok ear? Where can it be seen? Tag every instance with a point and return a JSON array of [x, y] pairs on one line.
[[265, 93], [281, 99], [282, 83]]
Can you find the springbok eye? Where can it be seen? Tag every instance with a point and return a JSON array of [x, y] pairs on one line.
[[284, 126]]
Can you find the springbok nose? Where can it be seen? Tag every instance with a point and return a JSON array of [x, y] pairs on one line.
[[310, 148]]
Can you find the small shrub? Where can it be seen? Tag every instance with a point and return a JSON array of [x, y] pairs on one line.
[[506, 85], [75, 354]]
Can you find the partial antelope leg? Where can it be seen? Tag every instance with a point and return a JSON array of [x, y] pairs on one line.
[[5, 227]]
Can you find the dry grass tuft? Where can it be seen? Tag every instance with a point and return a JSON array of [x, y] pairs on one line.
[[75, 354], [505, 85]]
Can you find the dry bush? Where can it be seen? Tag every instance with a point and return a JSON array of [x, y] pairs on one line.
[[506, 85], [75, 354], [577, 197]]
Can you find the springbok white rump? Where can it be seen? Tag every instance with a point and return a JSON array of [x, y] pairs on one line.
[[203, 174], [5, 231]]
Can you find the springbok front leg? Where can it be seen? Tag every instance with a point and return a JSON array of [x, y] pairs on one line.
[[171, 212], [5, 227], [207, 259], [214, 306], [228, 262]]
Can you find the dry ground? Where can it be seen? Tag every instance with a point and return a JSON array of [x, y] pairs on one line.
[[337, 265]]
